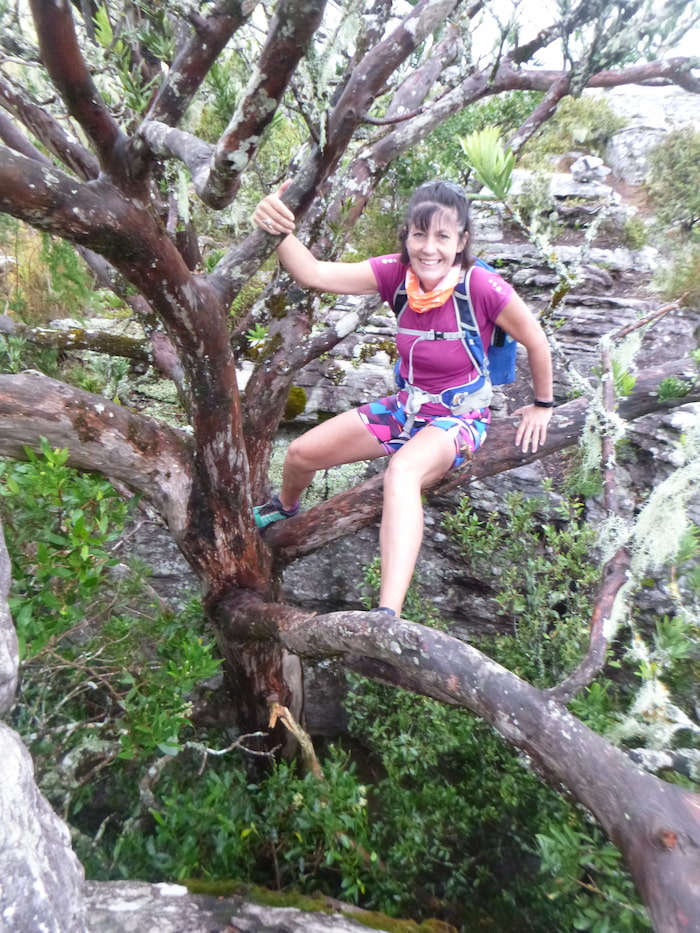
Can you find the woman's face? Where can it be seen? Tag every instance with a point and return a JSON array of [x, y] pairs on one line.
[[432, 252]]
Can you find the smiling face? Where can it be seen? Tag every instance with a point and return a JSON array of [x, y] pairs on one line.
[[432, 248]]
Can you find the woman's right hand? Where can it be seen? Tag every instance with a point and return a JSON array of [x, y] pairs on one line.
[[272, 215]]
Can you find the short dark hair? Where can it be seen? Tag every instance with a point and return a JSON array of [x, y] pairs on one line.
[[427, 200]]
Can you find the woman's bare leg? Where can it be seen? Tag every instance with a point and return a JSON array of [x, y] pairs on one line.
[[342, 439], [425, 458]]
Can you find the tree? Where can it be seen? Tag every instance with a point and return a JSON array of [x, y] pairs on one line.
[[100, 176]]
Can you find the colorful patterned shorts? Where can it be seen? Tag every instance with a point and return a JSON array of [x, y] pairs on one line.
[[386, 419]]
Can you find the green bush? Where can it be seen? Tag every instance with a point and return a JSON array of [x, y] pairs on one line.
[[17, 354], [49, 280], [62, 522], [454, 815], [441, 155], [679, 274], [287, 830], [542, 576], [578, 123], [674, 179]]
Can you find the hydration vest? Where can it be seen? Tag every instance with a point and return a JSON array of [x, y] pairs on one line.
[[497, 367]]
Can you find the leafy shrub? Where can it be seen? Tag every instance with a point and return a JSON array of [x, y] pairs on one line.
[[287, 830], [537, 208], [17, 354], [674, 179], [635, 232], [62, 522], [106, 672], [578, 123], [454, 815], [588, 869], [543, 577], [441, 155], [679, 275], [49, 280]]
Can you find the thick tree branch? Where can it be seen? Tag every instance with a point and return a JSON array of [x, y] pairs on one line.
[[211, 35], [9, 652], [78, 339], [542, 112], [48, 131], [103, 437], [162, 351], [12, 137], [274, 376], [293, 26], [660, 843], [64, 62], [665, 72], [170, 143], [614, 577]]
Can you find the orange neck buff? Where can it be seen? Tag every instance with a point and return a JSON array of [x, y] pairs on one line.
[[421, 301]]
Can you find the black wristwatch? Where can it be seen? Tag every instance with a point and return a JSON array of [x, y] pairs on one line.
[[538, 404]]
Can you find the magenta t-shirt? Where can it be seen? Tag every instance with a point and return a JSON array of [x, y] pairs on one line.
[[441, 364]]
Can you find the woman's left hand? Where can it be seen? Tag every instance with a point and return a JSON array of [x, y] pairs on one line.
[[532, 430]]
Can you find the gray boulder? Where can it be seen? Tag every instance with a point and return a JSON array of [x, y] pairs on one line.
[[139, 907], [41, 888], [42, 878], [8, 637], [651, 113]]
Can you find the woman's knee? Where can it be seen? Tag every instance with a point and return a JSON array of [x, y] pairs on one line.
[[299, 455], [402, 472], [419, 466]]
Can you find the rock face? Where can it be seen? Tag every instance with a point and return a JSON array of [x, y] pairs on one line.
[[8, 636], [41, 878], [136, 907], [650, 117]]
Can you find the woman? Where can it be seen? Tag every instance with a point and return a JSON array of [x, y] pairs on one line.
[[435, 251]]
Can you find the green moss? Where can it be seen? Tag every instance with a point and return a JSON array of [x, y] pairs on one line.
[[296, 403], [369, 350], [370, 919], [377, 921], [259, 895], [246, 297], [277, 306], [335, 373]]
